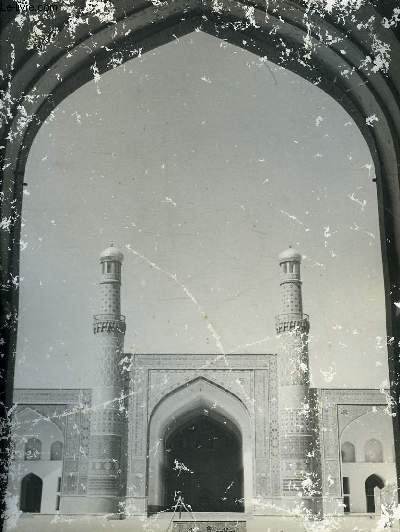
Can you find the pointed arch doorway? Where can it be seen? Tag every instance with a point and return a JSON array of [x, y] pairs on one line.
[[31, 493], [372, 482], [204, 434]]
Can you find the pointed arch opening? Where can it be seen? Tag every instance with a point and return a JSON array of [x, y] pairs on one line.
[[31, 493], [200, 427], [372, 482]]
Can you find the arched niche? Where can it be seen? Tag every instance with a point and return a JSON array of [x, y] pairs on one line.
[[33, 449], [373, 451], [348, 452], [56, 450], [199, 397]]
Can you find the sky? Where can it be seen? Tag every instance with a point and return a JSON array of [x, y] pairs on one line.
[[206, 161]]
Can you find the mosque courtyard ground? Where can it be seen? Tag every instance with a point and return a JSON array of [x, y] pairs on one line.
[[164, 523]]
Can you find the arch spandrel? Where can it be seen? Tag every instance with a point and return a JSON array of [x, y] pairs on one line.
[[47, 414], [237, 382], [196, 393]]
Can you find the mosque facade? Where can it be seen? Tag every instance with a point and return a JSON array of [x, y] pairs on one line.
[[217, 433]]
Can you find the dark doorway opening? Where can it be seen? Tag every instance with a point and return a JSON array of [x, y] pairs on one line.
[[31, 493], [346, 494], [204, 466], [371, 483]]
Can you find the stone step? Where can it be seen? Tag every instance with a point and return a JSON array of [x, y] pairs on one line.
[[209, 526]]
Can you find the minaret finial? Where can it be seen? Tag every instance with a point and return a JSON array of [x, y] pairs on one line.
[[112, 253]]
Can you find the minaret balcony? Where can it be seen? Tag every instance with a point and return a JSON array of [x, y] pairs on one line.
[[292, 321], [111, 277], [109, 323], [289, 277]]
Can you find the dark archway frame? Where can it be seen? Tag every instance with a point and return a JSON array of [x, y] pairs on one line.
[[33, 84]]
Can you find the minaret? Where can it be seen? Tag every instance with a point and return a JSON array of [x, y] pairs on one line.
[[107, 427], [297, 430]]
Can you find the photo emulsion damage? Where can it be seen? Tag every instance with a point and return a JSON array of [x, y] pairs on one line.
[[200, 243]]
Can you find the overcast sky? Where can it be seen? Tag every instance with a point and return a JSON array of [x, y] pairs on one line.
[[208, 162]]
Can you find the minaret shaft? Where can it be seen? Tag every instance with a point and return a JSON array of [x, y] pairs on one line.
[[105, 477], [296, 414]]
